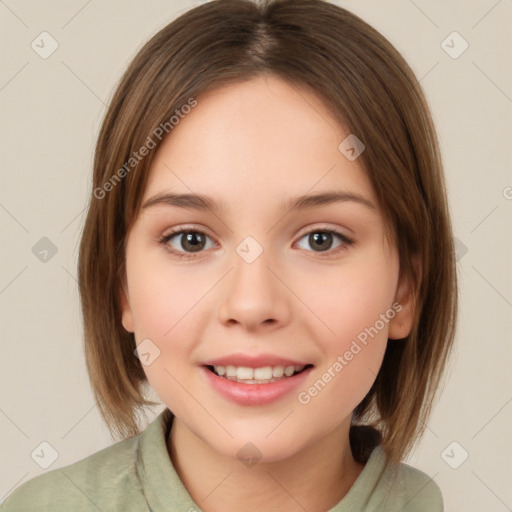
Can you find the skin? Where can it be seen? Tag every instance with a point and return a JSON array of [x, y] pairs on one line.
[[252, 146]]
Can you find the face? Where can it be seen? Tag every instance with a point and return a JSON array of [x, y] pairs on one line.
[[251, 287]]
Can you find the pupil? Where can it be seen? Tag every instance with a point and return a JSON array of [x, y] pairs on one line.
[[194, 240], [315, 239]]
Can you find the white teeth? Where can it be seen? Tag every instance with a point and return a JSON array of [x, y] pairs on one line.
[[289, 371], [220, 370], [244, 373], [278, 371], [264, 373], [261, 375], [230, 371]]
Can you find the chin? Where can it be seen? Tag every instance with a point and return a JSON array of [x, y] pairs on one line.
[[253, 440]]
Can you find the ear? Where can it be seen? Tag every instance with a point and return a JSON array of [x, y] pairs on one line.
[[126, 312], [400, 325]]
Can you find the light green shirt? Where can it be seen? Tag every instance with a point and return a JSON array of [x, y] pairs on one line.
[[137, 475]]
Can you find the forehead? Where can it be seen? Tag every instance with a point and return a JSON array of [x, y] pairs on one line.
[[262, 138]]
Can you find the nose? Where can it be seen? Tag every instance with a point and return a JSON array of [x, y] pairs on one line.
[[254, 295]]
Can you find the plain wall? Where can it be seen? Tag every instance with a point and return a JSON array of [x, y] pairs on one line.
[[51, 112]]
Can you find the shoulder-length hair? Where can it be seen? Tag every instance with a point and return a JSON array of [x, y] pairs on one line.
[[372, 92]]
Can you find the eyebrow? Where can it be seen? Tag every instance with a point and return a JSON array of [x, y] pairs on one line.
[[304, 202]]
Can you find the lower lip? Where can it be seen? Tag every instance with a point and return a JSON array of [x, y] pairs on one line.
[[255, 394]]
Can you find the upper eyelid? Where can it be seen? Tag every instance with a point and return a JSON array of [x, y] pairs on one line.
[[201, 229], [323, 227], [180, 230]]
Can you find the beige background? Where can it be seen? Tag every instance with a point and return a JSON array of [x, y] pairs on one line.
[[51, 112]]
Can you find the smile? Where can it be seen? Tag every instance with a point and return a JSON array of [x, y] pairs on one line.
[[261, 375], [257, 386]]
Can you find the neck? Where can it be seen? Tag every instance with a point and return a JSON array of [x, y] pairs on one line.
[[314, 479]]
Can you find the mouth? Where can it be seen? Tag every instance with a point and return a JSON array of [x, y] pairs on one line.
[[255, 384], [259, 375]]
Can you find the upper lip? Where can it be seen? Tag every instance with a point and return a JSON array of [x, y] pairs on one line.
[[254, 361]]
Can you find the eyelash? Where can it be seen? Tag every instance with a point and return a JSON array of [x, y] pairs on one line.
[[344, 238]]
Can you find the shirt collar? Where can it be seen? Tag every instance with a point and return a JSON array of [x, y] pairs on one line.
[[160, 482]]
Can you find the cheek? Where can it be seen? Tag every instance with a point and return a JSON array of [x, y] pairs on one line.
[[162, 295], [162, 300], [167, 301], [353, 298], [356, 305]]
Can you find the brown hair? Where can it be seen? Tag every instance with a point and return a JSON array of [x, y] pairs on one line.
[[373, 93]]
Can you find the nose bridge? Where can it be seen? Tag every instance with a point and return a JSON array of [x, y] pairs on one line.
[[253, 294]]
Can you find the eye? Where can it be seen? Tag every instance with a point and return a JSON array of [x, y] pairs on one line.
[[321, 240], [194, 241], [186, 243]]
